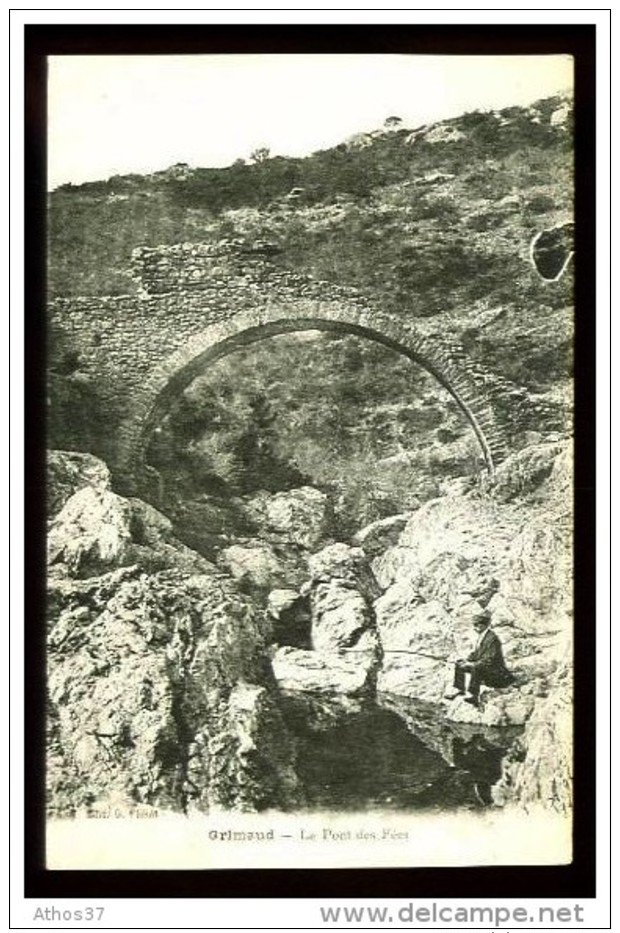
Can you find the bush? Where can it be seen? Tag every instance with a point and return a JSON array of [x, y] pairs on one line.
[[217, 446], [489, 220], [540, 204]]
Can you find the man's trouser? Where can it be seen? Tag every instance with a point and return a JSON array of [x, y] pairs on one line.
[[476, 678], [479, 676]]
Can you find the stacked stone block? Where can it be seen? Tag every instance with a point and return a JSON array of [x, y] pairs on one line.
[[196, 302]]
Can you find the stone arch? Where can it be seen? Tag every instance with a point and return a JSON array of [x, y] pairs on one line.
[[470, 386]]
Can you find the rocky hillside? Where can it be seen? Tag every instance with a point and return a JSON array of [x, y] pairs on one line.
[[392, 210], [434, 222]]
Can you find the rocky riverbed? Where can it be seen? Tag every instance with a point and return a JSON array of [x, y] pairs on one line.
[[188, 682]]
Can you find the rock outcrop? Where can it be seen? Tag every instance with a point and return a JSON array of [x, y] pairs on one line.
[[505, 547], [341, 591], [288, 526], [375, 538], [344, 648], [321, 672], [68, 471], [254, 566], [160, 690], [95, 530], [538, 770], [91, 533], [301, 517]]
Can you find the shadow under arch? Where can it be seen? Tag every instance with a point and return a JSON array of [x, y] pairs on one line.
[[447, 362]]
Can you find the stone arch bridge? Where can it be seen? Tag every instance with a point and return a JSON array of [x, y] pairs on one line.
[[198, 302]]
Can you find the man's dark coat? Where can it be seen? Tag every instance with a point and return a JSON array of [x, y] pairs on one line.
[[487, 661]]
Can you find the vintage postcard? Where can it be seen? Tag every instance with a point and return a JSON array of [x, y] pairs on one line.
[[310, 533]]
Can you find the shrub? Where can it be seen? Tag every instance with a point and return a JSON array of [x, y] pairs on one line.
[[540, 204]]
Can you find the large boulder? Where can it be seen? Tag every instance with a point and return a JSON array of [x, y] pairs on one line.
[[506, 707], [341, 591], [348, 565], [300, 516], [96, 530], [154, 545], [448, 737], [345, 648], [243, 757], [323, 672], [254, 567], [417, 639], [67, 472], [91, 532], [339, 616], [472, 526], [397, 563]]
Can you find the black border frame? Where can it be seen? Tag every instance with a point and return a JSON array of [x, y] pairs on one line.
[[575, 880]]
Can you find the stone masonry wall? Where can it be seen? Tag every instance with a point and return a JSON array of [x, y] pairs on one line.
[[182, 289], [198, 301]]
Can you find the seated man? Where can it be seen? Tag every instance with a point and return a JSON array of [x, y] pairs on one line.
[[485, 664]]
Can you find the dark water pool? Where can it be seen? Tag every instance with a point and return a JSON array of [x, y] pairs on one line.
[[366, 757]]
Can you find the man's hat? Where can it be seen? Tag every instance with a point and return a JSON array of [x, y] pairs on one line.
[[481, 615]]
